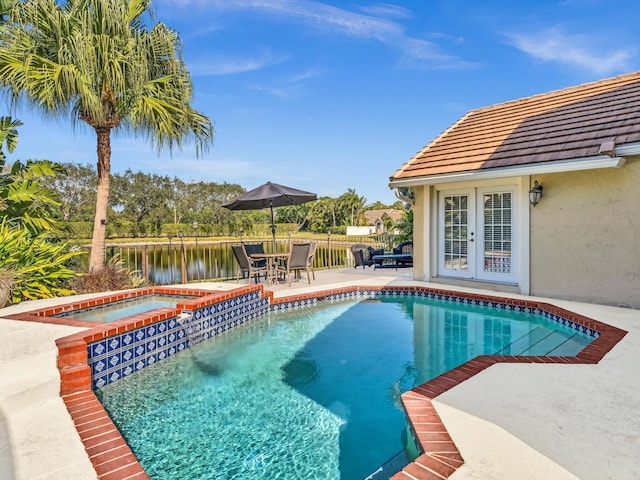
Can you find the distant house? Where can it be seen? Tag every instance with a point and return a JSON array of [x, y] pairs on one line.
[[475, 225], [378, 219], [376, 222]]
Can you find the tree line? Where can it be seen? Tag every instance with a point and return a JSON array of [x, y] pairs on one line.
[[41, 201], [150, 205]]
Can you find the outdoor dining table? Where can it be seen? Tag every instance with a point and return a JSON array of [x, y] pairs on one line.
[[272, 264]]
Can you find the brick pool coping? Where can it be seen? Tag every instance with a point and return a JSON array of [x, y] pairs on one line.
[[113, 459]]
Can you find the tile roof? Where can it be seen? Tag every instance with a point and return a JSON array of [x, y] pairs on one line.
[[374, 215], [583, 121]]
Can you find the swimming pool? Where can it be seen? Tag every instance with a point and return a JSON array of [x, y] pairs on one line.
[[311, 394], [118, 310]]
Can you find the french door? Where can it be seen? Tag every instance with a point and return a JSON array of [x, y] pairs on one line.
[[476, 230]]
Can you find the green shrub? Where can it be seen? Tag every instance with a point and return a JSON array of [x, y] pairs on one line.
[[6, 282], [40, 266], [114, 276], [338, 230]]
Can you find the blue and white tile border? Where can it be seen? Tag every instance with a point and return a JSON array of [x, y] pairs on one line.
[[120, 355], [460, 299]]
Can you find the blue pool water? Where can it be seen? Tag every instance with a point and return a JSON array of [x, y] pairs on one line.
[[313, 394], [110, 312]]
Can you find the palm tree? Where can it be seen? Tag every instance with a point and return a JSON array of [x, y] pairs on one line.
[[97, 61], [8, 135], [351, 207]]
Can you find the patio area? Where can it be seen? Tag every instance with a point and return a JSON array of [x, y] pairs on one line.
[[524, 421]]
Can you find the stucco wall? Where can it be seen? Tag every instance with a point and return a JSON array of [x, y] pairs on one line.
[[353, 230], [421, 234], [585, 236]]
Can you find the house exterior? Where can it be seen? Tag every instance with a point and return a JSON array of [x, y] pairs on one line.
[[474, 224], [377, 219], [376, 222]]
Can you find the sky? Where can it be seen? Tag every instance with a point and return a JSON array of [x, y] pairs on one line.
[[327, 96]]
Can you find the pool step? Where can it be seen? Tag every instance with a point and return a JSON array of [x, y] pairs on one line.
[[571, 346], [542, 342], [546, 344], [524, 343], [390, 467]]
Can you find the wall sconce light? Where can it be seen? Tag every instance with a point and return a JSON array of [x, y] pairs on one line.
[[535, 194]]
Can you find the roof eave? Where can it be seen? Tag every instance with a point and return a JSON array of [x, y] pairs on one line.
[[628, 150], [575, 164]]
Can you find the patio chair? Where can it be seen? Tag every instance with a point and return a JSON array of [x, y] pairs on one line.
[[405, 248], [312, 254], [247, 265], [363, 254], [252, 248], [297, 261]]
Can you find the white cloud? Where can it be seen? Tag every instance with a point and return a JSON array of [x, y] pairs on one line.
[[375, 24], [309, 11], [387, 10], [289, 87], [276, 92], [430, 54], [216, 66], [311, 73], [337, 19], [582, 51]]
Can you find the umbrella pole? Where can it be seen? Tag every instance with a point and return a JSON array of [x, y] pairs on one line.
[[273, 227]]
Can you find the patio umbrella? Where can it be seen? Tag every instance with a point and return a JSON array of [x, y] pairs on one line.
[[270, 195]]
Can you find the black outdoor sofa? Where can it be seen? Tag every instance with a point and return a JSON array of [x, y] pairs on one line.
[[366, 256]]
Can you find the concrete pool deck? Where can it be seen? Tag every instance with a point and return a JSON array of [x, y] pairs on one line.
[[524, 421]]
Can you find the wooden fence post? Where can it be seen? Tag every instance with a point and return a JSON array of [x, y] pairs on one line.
[[145, 263], [183, 260]]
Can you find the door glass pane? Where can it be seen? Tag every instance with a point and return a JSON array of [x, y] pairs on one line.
[[497, 232], [455, 232]]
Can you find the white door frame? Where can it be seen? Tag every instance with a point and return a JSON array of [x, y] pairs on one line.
[[471, 247], [459, 260]]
